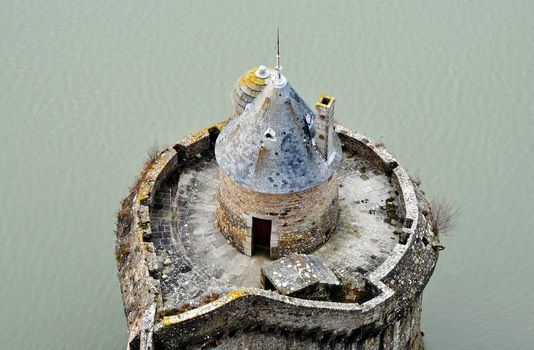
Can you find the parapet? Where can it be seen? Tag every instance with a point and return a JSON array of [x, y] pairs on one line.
[[214, 310]]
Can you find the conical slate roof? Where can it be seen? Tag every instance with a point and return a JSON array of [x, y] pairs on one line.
[[269, 148]]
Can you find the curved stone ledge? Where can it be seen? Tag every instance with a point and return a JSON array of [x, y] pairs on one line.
[[350, 322], [140, 291], [376, 153], [250, 306], [409, 209]]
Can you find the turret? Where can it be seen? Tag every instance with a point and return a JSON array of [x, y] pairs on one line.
[[324, 125], [277, 193]]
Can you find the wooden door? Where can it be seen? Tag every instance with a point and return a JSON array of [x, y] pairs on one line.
[[261, 232]]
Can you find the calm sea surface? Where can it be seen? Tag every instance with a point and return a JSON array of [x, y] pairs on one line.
[[87, 86]]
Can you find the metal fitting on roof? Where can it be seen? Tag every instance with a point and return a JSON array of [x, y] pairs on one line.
[[262, 72], [280, 82]]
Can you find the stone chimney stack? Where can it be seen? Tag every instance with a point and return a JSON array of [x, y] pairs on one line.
[[325, 125]]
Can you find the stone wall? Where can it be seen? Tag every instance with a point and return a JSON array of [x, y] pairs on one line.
[[401, 334], [301, 221], [137, 287], [248, 314], [251, 316], [141, 293]]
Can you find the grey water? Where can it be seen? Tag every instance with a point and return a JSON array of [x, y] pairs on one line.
[[87, 86]]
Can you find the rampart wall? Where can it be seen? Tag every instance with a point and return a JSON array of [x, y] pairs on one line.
[[389, 320]]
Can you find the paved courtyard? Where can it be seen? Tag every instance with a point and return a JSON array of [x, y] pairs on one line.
[[197, 258]]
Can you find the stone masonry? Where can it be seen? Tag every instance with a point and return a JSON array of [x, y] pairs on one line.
[[278, 163], [349, 203], [302, 221], [172, 264]]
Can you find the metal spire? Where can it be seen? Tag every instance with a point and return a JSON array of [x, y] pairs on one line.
[[278, 67], [280, 80]]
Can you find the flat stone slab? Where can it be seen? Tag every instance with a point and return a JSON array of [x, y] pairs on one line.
[[298, 275], [200, 260]]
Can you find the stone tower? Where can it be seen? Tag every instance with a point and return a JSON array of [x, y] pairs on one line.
[[278, 186], [275, 177]]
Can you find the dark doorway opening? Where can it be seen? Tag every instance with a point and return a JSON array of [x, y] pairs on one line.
[[261, 234], [268, 284]]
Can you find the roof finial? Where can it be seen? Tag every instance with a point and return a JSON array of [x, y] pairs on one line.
[[278, 67], [280, 80]]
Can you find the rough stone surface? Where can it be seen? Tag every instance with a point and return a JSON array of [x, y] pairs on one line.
[[278, 170], [301, 221], [270, 147], [300, 275], [203, 261], [199, 300]]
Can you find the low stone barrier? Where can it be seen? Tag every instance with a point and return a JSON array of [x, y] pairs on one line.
[[141, 293], [259, 310]]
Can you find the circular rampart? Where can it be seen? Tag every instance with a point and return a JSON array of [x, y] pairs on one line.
[[388, 320]]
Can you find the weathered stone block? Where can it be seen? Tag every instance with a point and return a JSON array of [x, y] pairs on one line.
[[301, 275]]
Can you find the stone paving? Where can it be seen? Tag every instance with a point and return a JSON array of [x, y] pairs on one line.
[[198, 260]]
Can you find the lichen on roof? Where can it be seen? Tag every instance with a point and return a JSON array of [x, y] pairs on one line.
[[247, 87]]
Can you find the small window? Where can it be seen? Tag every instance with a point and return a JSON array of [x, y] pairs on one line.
[[325, 101], [269, 134]]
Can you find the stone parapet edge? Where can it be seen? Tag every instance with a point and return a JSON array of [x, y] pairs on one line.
[[167, 161], [174, 157], [406, 192]]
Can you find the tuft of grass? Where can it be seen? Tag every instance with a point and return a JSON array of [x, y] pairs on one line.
[[124, 213], [122, 252], [208, 298], [444, 216], [153, 152], [175, 310], [416, 180]]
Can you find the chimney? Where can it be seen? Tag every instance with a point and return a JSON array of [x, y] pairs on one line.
[[324, 125]]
